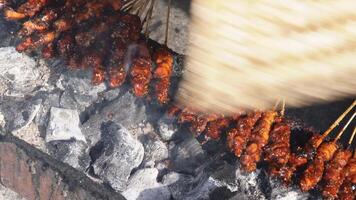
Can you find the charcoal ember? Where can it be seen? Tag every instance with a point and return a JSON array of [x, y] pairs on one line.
[[143, 185], [282, 192], [187, 155], [6, 36], [246, 186], [116, 155], [79, 93], [20, 75], [155, 150], [111, 94], [75, 153], [126, 110], [18, 113], [50, 98], [17, 116], [2, 122], [183, 186], [63, 125], [166, 128]]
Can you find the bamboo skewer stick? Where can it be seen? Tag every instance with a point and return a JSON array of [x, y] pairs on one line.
[[339, 119], [345, 127], [167, 21], [351, 138]]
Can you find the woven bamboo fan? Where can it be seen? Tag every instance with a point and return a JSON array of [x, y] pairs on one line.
[[247, 54]]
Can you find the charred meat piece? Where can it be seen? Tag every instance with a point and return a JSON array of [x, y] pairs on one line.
[[313, 144], [11, 14], [187, 115], [239, 136], [197, 121], [333, 176], [94, 60], [32, 7], [40, 23], [259, 138], [90, 9], [164, 61], [48, 51], [277, 152], [141, 76], [123, 51], [215, 128], [30, 43], [116, 71], [286, 172], [65, 45], [117, 76], [347, 189], [27, 9], [173, 111], [200, 124], [141, 71], [314, 172]]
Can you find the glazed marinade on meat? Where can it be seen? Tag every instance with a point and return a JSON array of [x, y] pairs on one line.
[[99, 35]]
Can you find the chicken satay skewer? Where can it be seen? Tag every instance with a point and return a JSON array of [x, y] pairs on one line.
[[277, 152], [163, 72], [296, 161], [27, 9], [41, 23], [338, 120], [259, 138], [317, 139], [60, 25], [352, 138], [314, 172], [238, 137], [11, 14], [334, 176], [346, 191]]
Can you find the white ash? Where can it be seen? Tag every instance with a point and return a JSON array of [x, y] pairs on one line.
[[167, 128], [187, 155], [283, 192], [74, 153], [23, 120], [18, 113], [143, 185], [116, 155], [189, 187], [2, 121], [126, 110], [78, 92], [64, 125], [155, 150], [20, 74]]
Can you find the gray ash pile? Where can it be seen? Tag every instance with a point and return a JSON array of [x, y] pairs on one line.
[[134, 145]]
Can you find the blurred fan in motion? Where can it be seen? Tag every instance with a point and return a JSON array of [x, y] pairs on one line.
[[248, 54]]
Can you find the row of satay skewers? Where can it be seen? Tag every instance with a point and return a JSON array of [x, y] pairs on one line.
[[94, 34], [84, 36], [264, 136]]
